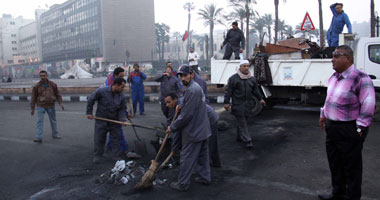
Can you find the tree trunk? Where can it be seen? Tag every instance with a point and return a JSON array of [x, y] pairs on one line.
[[275, 21], [242, 24], [188, 32], [211, 40], [247, 30], [321, 32], [270, 33], [207, 58], [373, 22], [163, 50]]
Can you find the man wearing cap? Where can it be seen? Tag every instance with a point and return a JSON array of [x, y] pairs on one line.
[[194, 127], [169, 84], [241, 88], [235, 42]]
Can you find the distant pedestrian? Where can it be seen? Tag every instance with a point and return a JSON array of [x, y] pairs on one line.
[[168, 84], [193, 60], [136, 78], [194, 127], [44, 94], [340, 18], [117, 73], [234, 41], [9, 79], [346, 117], [111, 105], [241, 88]]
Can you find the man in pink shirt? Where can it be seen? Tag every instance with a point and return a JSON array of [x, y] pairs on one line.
[[346, 116]]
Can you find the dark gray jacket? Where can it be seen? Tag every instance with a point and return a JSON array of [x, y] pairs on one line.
[[241, 91], [213, 117], [110, 105], [202, 83], [193, 121], [168, 85], [235, 38]]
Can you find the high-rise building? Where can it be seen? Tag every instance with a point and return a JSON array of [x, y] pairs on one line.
[[9, 39], [79, 29]]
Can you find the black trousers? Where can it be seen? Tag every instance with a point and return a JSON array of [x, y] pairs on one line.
[[344, 152], [229, 50]]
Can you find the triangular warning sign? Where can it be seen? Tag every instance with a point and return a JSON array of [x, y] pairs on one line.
[[307, 24]]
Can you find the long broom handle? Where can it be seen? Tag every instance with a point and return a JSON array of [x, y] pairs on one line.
[[165, 161], [166, 138], [127, 123]]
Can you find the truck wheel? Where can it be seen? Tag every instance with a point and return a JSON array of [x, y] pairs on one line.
[[255, 106], [376, 116]]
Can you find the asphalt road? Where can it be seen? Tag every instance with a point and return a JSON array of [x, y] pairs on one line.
[[288, 160]]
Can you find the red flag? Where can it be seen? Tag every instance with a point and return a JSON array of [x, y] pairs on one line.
[[185, 36]]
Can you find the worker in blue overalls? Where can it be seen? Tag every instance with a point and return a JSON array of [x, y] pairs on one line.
[[136, 78], [339, 19]]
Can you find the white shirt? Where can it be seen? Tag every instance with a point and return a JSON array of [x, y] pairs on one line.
[[194, 56]]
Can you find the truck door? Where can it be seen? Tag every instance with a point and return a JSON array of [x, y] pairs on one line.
[[372, 62]]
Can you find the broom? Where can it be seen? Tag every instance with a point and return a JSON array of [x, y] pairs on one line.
[[129, 124], [147, 179]]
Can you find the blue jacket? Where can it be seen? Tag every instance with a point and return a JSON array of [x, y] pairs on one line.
[[338, 22], [136, 78]]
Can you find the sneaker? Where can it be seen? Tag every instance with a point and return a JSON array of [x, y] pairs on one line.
[[37, 140], [177, 186], [201, 181], [57, 137], [96, 160]]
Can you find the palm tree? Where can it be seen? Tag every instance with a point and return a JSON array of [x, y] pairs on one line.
[[177, 36], [289, 30], [162, 37], [248, 14], [373, 20], [268, 20], [258, 26], [281, 28], [276, 2], [322, 36], [188, 6], [211, 16], [237, 13]]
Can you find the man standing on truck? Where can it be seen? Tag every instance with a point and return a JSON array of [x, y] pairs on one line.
[[346, 116], [339, 19], [235, 42], [241, 87]]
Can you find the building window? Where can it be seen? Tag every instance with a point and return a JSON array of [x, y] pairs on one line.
[[14, 48], [14, 42], [12, 23], [13, 35], [10, 61]]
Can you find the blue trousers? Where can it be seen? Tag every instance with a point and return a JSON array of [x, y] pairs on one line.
[[138, 96], [123, 142], [40, 121]]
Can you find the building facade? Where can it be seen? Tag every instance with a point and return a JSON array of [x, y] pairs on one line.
[[9, 39], [81, 29]]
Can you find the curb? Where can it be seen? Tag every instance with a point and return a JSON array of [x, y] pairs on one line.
[[214, 98]]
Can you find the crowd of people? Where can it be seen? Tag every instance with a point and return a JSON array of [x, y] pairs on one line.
[[193, 123]]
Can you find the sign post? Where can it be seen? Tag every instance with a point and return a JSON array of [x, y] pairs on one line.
[[307, 25]]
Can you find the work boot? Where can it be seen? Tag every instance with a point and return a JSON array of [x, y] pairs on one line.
[[249, 145], [177, 186], [201, 181], [57, 137], [37, 140]]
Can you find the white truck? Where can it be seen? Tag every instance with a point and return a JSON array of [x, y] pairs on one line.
[[305, 80]]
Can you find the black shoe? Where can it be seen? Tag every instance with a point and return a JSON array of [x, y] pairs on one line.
[[330, 197], [201, 181], [57, 137], [37, 140], [249, 145], [238, 139], [177, 186], [142, 113]]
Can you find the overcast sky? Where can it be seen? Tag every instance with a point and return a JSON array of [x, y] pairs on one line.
[[171, 12]]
